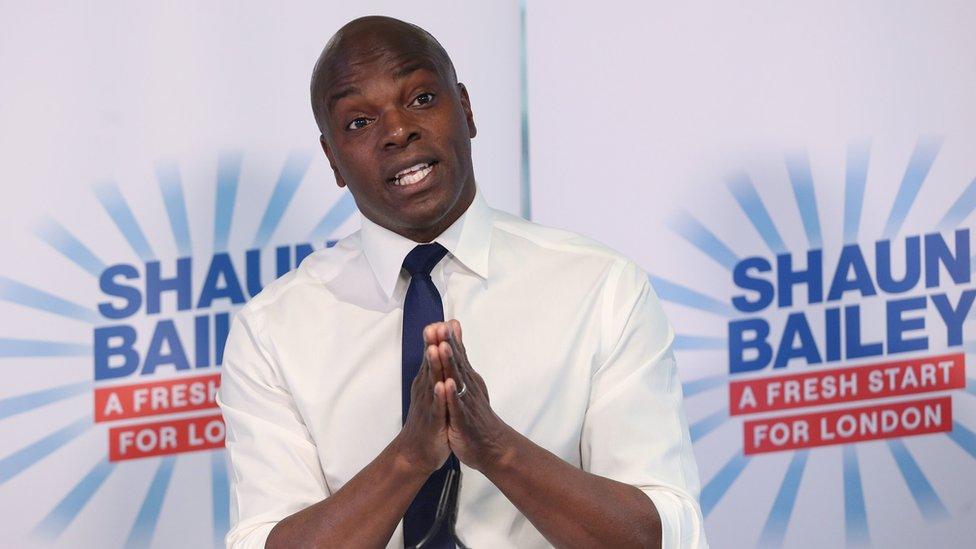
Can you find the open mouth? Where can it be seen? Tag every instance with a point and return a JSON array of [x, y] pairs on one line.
[[414, 174]]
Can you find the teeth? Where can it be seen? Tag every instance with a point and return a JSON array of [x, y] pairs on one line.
[[411, 169], [412, 177]]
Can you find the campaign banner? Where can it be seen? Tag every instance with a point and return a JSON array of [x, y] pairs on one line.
[[906, 377], [799, 183], [844, 426], [162, 438], [184, 394], [161, 167]]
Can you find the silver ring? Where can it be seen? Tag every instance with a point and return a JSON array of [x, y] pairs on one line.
[[464, 389]]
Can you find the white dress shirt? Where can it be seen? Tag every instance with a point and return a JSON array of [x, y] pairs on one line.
[[568, 335]]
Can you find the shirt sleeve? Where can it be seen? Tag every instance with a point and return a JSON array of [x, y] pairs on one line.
[[274, 466], [635, 429]]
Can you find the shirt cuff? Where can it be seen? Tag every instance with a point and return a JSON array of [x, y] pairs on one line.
[[681, 521]]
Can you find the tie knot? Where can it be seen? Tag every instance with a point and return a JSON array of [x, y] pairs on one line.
[[421, 259]]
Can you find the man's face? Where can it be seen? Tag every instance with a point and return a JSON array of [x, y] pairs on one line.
[[399, 136]]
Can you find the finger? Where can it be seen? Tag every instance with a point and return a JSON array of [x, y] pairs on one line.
[[460, 358], [448, 359], [456, 329], [453, 403], [443, 331], [438, 332], [421, 372], [440, 401], [430, 333], [433, 357]]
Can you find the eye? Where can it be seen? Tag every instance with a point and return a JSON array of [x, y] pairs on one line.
[[423, 99], [358, 123]]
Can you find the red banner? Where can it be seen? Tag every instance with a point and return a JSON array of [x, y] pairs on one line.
[[156, 398], [891, 420], [165, 437], [906, 377]]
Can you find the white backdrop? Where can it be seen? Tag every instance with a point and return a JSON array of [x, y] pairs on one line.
[[135, 133], [693, 136], [690, 137]]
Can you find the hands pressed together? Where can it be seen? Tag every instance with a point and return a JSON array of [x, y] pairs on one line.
[[440, 421], [570, 507]]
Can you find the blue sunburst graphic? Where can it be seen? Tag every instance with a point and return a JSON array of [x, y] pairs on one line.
[[701, 238], [55, 235]]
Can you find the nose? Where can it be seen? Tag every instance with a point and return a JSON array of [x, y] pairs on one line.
[[400, 128]]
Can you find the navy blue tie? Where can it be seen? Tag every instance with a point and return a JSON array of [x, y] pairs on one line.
[[421, 307]]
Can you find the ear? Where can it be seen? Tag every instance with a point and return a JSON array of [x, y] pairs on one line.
[[328, 154], [466, 106]]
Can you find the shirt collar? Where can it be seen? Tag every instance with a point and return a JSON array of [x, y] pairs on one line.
[[467, 239]]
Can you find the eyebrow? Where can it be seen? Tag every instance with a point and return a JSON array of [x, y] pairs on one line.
[[405, 71], [398, 74], [344, 92]]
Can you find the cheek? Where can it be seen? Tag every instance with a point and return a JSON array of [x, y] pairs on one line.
[[460, 131], [462, 149], [359, 167]]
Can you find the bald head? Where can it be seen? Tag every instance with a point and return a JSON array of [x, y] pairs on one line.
[[370, 39]]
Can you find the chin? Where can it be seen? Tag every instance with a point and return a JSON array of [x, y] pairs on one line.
[[421, 221], [429, 207]]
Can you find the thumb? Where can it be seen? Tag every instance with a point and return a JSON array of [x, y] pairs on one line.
[[453, 402]]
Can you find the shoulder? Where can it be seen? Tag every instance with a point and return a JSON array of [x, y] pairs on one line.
[[302, 283], [564, 247], [571, 264]]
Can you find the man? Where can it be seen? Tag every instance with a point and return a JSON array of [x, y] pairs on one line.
[[352, 408]]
